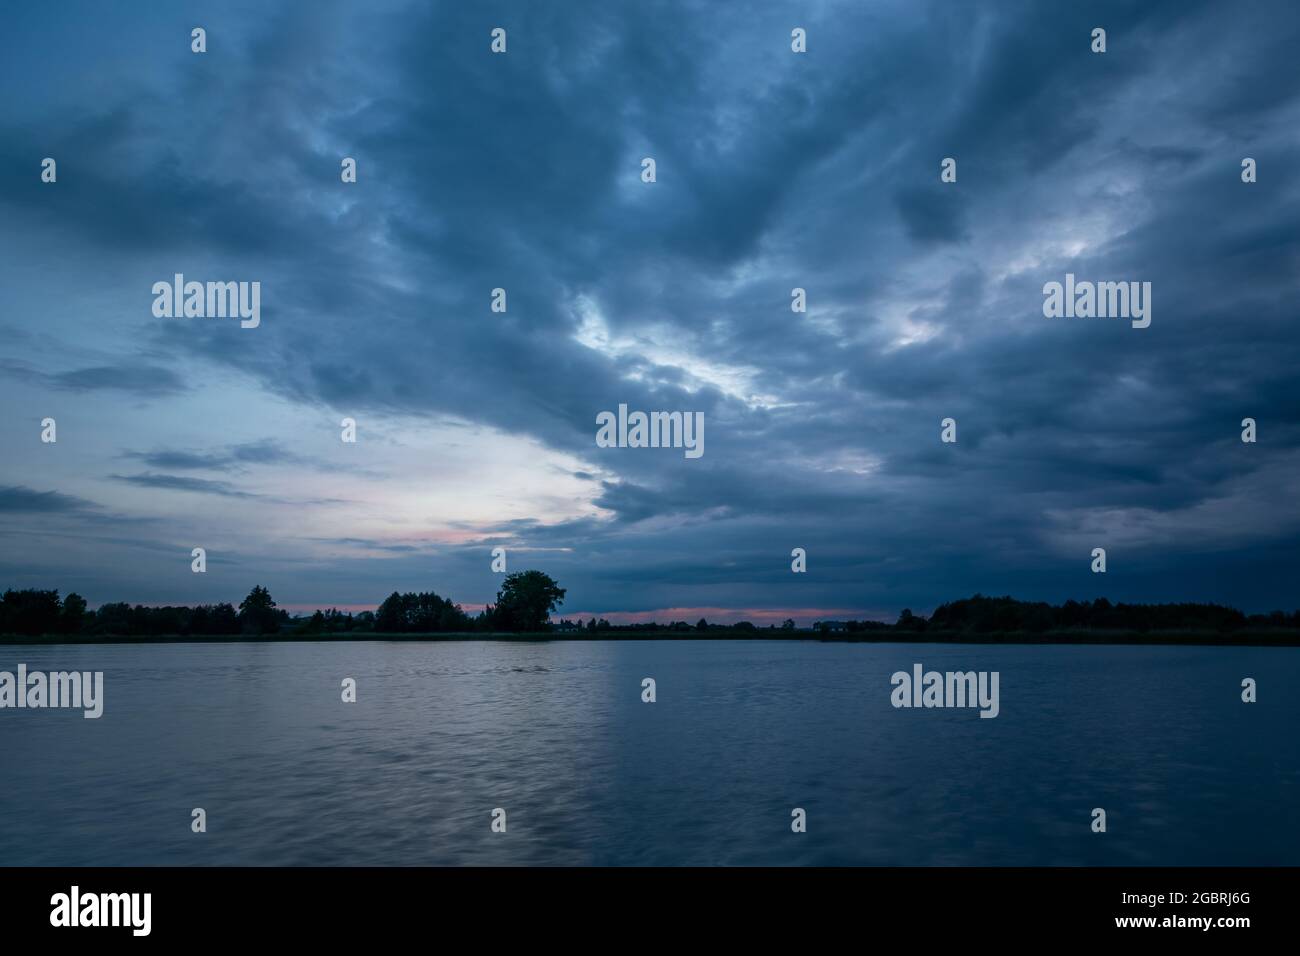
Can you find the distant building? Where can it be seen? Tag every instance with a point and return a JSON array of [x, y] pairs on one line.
[[828, 625]]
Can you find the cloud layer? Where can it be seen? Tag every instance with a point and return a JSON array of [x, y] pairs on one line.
[[774, 171]]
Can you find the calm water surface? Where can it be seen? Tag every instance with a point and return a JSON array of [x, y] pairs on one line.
[[742, 732]]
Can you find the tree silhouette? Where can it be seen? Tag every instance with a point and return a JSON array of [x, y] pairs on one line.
[[423, 613], [73, 615], [525, 601], [257, 614], [390, 617]]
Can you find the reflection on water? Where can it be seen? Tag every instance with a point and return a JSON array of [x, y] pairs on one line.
[[741, 733]]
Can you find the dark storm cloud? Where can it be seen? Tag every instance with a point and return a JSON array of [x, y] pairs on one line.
[[142, 380], [28, 501], [204, 486], [209, 486], [819, 171], [237, 458], [265, 452], [184, 460]]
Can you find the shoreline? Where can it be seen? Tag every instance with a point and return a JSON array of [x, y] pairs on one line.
[[1279, 638]]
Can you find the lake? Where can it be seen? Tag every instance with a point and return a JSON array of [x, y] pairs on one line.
[[741, 732]]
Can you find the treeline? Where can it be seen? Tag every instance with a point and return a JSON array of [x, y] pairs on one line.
[[34, 612], [526, 600], [673, 627], [992, 615], [524, 604]]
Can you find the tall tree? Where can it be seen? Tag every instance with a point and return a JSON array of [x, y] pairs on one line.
[[525, 601], [257, 614], [74, 612], [390, 618]]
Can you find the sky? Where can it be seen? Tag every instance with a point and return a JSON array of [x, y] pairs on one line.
[[774, 170]]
